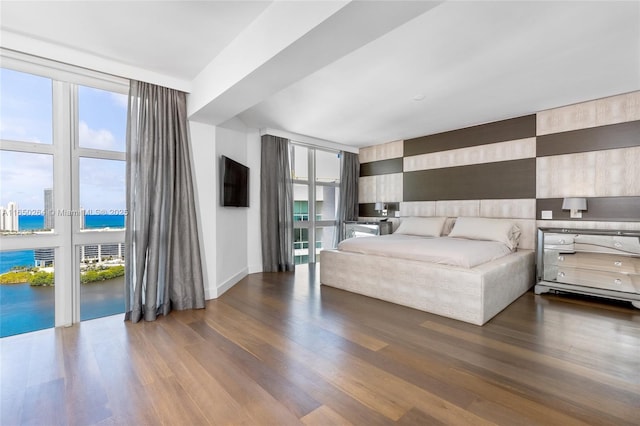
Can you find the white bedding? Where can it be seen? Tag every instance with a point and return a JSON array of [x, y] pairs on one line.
[[443, 250]]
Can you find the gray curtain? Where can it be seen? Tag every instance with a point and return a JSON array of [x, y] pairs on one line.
[[163, 269], [348, 202], [276, 205]]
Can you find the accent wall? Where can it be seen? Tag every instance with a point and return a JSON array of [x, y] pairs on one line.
[[529, 163]]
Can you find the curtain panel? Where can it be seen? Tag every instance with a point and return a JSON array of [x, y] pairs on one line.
[[348, 200], [162, 265], [276, 205]]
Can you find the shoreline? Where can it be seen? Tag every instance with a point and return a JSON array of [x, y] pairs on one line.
[[89, 274]]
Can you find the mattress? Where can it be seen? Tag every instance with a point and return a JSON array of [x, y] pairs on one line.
[[443, 250]]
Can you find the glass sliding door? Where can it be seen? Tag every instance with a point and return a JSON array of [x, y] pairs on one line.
[[316, 186]]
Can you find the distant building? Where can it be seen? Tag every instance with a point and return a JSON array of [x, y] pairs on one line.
[[44, 257], [92, 252], [9, 217], [49, 213], [101, 252]]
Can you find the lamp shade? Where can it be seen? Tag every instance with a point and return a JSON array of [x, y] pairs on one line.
[[574, 204], [379, 206]]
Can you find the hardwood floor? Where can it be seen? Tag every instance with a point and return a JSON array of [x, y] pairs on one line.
[[280, 349]]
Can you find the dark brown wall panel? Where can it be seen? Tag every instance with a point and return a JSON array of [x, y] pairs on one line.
[[613, 209], [368, 209], [382, 167], [621, 135], [501, 180], [499, 131]]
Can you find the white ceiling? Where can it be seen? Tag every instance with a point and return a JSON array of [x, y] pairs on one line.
[[474, 62], [176, 38]]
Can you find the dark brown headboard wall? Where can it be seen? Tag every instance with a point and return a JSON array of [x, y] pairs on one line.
[[382, 167], [616, 209], [499, 180], [499, 131], [622, 135]]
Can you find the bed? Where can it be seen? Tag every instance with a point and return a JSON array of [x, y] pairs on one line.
[[473, 287]]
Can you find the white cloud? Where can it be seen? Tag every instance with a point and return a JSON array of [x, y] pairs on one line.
[[97, 139], [23, 178], [102, 184]]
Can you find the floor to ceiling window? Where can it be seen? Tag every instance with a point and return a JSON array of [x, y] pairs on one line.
[[316, 186], [62, 192]]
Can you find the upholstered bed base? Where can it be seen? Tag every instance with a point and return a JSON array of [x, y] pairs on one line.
[[473, 295]]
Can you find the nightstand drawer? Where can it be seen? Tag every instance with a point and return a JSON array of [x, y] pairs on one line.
[[629, 283], [608, 244], [560, 242], [599, 261]]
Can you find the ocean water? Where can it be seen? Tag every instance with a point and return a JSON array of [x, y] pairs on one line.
[[24, 308], [10, 259], [34, 223]]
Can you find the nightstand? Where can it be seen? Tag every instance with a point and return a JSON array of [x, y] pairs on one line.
[[594, 262], [367, 229]]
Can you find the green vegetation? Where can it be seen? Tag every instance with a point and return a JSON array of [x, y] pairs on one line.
[[43, 279], [101, 273], [15, 277], [35, 277]]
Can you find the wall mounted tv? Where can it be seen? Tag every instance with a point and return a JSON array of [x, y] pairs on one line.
[[234, 190]]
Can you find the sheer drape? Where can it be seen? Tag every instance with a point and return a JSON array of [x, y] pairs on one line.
[[348, 201], [163, 269], [276, 205]]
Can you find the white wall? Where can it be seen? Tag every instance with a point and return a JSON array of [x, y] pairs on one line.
[[254, 233], [205, 182], [231, 222]]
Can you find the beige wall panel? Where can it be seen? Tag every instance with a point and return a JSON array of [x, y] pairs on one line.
[[367, 189], [570, 175], [618, 109], [455, 208], [367, 154], [608, 173], [618, 172], [490, 153], [520, 208], [578, 224], [389, 187], [564, 119], [418, 208], [389, 150], [528, 231], [383, 151]]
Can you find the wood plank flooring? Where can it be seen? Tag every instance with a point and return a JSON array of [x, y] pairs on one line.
[[280, 349]]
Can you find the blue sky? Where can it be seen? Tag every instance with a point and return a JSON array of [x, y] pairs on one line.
[[26, 116]]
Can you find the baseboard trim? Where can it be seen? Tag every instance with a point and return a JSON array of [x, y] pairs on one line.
[[226, 285]]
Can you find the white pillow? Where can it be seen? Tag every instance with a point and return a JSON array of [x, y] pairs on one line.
[[482, 228], [421, 226]]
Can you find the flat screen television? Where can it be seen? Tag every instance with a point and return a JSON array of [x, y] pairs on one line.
[[234, 190]]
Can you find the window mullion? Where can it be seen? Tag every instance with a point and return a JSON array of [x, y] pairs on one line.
[[62, 104], [312, 205]]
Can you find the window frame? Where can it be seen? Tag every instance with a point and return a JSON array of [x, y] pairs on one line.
[[67, 237]]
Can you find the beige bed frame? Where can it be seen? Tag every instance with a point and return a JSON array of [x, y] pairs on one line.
[[474, 295]]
